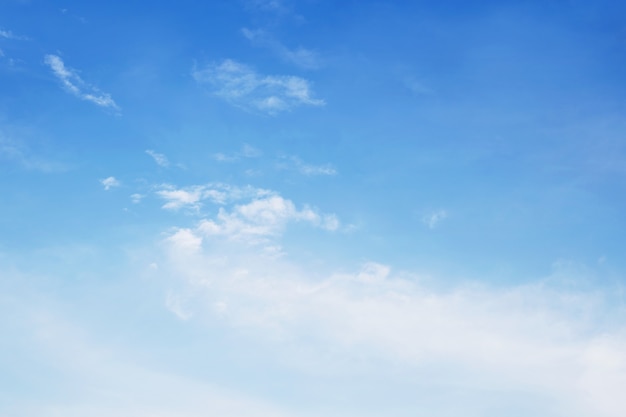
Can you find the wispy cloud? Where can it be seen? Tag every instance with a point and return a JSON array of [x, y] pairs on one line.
[[433, 219], [301, 57], [241, 86], [295, 163], [72, 82], [110, 182], [159, 158]]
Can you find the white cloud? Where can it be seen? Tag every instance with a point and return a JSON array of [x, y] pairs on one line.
[[109, 183], [262, 215], [528, 338], [75, 85], [301, 57], [433, 219], [262, 218], [243, 87], [159, 158], [178, 198]]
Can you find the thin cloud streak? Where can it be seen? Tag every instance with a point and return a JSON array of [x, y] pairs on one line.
[[72, 82]]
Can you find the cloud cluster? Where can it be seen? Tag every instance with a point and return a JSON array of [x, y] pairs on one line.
[[262, 215], [241, 86], [72, 82]]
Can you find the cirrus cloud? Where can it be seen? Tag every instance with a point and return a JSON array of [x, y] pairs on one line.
[[243, 87]]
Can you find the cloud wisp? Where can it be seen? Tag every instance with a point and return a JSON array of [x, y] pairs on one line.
[[159, 158], [243, 87], [72, 82], [301, 57]]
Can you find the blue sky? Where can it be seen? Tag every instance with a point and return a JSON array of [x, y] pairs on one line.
[[312, 208]]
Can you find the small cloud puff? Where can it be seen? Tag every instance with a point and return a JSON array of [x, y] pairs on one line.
[[243, 87], [109, 183], [75, 85]]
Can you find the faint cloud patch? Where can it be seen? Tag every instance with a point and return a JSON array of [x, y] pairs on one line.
[[416, 86], [243, 87], [296, 164], [246, 151], [275, 6], [175, 304], [19, 153], [136, 198], [301, 57], [7, 34], [72, 82], [432, 220]]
